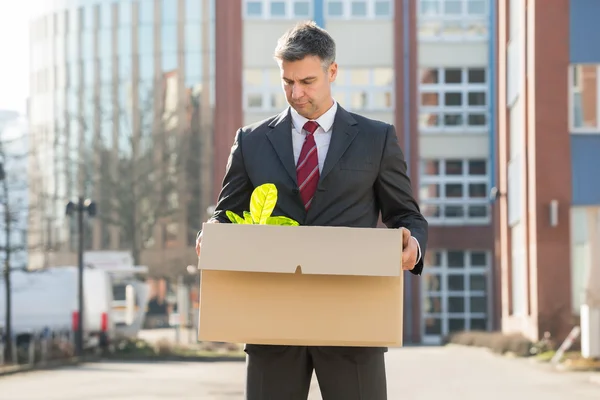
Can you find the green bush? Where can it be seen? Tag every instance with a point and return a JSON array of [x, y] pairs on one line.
[[496, 341]]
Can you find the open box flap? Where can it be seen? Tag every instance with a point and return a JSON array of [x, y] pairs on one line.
[[301, 249]]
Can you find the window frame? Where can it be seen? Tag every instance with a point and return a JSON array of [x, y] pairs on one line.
[[442, 270], [346, 10], [266, 14], [464, 88], [572, 91], [342, 89], [442, 22], [442, 179]]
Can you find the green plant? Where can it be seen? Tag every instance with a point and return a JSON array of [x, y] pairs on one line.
[[262, 204]]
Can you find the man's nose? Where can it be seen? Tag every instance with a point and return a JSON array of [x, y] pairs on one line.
[[297, 92]]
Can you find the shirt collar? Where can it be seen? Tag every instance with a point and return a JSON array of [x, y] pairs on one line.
[[325, 121]]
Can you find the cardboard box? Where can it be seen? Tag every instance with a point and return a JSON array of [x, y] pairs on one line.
[[301, 285]]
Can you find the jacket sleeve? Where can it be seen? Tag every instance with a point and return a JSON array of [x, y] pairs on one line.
[[395, 197], [236, 188]]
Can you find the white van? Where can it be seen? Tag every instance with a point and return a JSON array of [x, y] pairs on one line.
[[48, 299]]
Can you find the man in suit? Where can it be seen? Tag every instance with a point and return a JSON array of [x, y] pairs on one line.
[[331, 168]]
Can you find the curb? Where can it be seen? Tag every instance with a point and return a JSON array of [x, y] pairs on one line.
[[11, 370], [138, 358]]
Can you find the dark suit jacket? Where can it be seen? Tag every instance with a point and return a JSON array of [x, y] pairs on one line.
[[364, 174]]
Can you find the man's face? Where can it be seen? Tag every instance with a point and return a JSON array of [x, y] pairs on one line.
[[307, 85]]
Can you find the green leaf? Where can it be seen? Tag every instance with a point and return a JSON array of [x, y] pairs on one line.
[[248, 217], [262, 202], [280, 220], [234, 218]]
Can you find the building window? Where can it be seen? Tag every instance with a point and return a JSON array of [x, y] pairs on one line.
[[263, 90], [453, 20], [358, 9], [277, 9], [455, 191], [584, 106], [366, 89], [455, 293], [453, 100]]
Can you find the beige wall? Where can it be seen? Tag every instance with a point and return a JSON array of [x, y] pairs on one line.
[[447, 145], [453, 54]]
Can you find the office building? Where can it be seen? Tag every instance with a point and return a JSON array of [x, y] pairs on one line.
[[548, 204], [122, 101]]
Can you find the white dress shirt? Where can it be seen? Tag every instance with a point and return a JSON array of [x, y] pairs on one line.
[[322, 138]]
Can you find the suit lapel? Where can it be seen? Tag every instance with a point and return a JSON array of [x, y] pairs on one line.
[[344, 132], [280, 136]]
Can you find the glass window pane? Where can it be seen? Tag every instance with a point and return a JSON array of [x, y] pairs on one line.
[[477, 167], [478, 190], [431, 167], [476, 75], [453, 75], [301, 9], [429, 7], [429, 76], [432, 283], [382, 100], [477, 282], [454, 167], [456, 259], [478, 211], [278, 9], [477, 98], [359, 8], [254, 100], [478, 324], [359, 77], [430, 191], [169, 12], [452, 7], [478, 259], [587, 106], [253, 77], [428, 120], [456, 304], [383, 8], [383, 76], [431, 210], [454, 190], [478, 304], [476, 7], [456, 325], [359, 100], [430, 99], [335, 8], [433, 326], [453, 119], [478, 119], [432, 304], [254, 8], [456, 282], [453, 99]]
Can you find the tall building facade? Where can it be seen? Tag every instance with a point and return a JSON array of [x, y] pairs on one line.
[[548, 204], [122, 104], [455, 131]]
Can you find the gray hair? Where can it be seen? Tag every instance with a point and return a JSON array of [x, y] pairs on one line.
[[306, 39]]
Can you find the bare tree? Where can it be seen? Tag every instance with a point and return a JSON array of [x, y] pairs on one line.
[[14, 204], [133, 167]]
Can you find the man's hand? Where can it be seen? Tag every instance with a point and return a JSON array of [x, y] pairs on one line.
[[410, 251], [199, 238]]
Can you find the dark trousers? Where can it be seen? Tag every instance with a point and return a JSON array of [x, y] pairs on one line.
[[343, 373]]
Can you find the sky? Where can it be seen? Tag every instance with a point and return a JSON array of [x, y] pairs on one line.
[[14, 54]]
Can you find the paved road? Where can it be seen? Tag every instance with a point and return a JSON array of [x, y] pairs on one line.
[[415, 373]]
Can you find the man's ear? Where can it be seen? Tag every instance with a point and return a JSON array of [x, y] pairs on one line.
[[332, 71]]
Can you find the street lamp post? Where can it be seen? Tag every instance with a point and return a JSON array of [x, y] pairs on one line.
[[80, 207]]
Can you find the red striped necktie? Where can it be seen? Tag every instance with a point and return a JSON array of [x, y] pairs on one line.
[[307, 169]]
